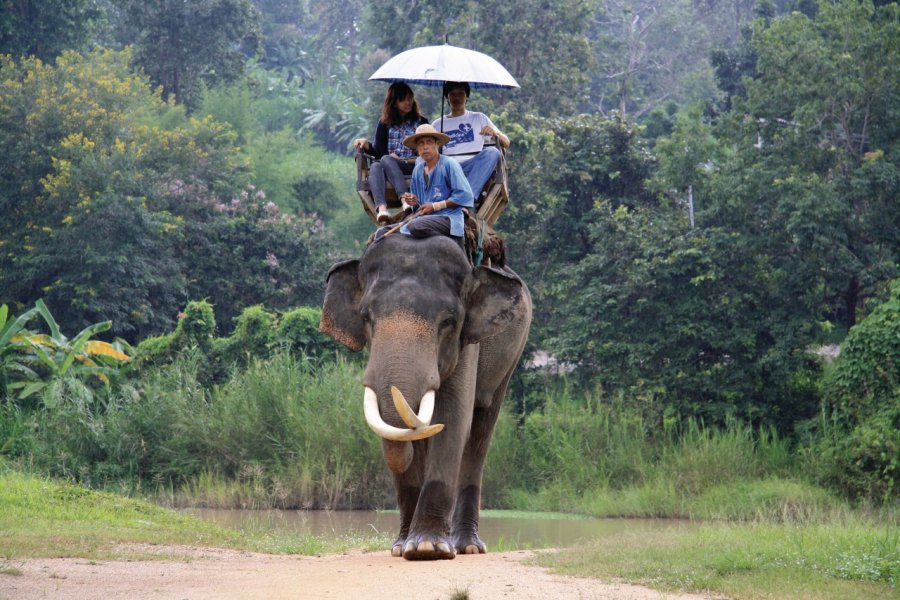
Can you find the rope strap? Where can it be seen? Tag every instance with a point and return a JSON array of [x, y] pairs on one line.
[[479, 247]]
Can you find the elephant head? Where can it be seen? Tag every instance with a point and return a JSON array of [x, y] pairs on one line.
[[422, 310], [415, 304]]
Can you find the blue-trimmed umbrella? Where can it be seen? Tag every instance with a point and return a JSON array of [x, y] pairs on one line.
[[432, 66]]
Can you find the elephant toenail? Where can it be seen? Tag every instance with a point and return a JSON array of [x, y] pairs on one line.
[[443, 548], [426, 546]]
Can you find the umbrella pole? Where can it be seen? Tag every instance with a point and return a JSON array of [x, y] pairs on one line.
[[441, 149]]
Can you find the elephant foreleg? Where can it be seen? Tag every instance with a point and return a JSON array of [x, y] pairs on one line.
[[408, 485], [429, 535], [407, 496]]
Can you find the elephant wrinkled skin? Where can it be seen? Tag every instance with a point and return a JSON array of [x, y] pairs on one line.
[[433, 324]]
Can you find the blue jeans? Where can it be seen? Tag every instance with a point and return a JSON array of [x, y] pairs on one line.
[[388, 168], [480, 167]]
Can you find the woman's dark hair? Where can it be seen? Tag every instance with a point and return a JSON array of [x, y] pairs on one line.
[[389, 113], [452, 85]]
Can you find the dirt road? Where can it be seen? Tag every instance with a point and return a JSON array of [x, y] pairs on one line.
[[197, 574]]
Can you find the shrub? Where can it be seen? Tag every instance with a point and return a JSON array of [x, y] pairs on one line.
[[253, 336], [299, 330], [860, 430], [195, 328]]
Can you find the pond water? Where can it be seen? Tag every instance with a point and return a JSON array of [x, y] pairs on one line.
[[497, 528]]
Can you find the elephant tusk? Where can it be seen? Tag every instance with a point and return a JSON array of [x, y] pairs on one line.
[[426, 409], [389, 432]]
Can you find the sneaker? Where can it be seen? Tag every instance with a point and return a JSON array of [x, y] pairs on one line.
[[383, 217]]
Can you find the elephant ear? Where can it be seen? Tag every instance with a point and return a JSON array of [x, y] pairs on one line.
[[340, 311], [495, 300]]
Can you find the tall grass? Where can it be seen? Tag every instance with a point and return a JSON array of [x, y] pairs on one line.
[[583, 454], [287, 432], [283, 433]]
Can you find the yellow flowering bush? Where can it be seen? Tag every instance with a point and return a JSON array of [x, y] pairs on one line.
[[100, 178]]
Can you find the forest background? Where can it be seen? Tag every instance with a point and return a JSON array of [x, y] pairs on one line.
[[704, 202]]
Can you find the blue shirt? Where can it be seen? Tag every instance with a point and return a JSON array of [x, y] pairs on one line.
[[446, 182]]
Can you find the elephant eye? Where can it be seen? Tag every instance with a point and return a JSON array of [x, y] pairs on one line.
[[448, 323]]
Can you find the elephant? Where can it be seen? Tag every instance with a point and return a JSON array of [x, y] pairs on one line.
[[444, 338]]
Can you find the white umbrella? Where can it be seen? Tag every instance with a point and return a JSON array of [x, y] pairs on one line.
[[432, 66]]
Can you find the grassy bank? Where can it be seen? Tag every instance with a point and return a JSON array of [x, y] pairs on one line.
[[44, 518], [842, 556]]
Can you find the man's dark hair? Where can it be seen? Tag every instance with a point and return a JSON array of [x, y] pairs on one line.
[[449, 86]]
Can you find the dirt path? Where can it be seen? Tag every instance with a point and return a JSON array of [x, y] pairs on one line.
[[196, 574]]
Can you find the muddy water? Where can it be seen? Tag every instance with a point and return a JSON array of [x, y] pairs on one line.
[[497, 528]]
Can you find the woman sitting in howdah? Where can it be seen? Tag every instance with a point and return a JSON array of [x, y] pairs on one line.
[[400, 116]]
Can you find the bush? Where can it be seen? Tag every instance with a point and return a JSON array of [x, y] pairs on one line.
[[860, 428], [195, 328], [258, 334], [253, 336], [299, 331]]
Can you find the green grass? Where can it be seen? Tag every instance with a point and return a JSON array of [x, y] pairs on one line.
[[846, 558], [40, 517], [836, 554], [43, 518]]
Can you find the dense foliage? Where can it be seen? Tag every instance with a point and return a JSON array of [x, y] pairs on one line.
[[119, 207]]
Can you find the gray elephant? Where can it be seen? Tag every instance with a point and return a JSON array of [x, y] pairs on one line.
[[444, 339]]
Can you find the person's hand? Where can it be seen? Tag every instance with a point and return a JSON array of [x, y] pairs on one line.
[[488, 130], [360, 143], [426, 209], [410, 199]]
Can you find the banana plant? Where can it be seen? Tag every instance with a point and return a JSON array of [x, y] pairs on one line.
[[46, 358], [12, 345]]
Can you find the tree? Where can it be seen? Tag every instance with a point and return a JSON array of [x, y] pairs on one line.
[[590, 159], [563, 168], [650, 52], [860, 439], [254, 254], [683, 320], [823, 115], [46, 28], [183, 45], [119, 207]]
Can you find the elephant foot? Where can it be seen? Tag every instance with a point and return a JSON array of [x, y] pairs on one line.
[[470, 543], [397, 547], [425, 547]]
